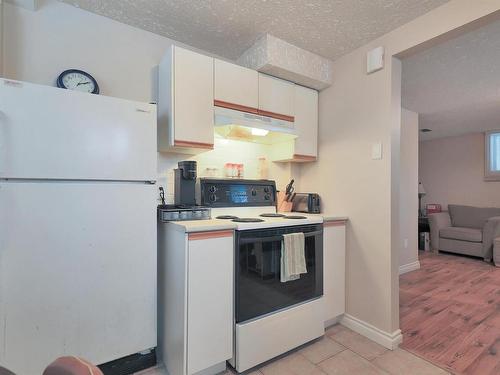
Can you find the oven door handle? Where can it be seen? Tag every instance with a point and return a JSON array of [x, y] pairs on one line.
[[275, 238]]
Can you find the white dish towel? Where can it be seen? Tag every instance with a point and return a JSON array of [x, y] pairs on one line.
[[293, 257]]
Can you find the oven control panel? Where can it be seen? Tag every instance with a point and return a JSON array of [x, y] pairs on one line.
[[235, 193]]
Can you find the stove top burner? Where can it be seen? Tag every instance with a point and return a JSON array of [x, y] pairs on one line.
[[247, 220], [294, 217], [227, 217], [272, 215]]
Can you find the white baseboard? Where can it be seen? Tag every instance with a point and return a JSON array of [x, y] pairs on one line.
[[388, 340], [409, 267], [333, 321]]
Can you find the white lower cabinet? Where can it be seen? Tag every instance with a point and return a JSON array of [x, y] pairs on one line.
[[210, 301], [334, 270], [195, 300]]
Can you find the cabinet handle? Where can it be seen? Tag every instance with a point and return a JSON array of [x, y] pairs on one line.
[[195, 236]]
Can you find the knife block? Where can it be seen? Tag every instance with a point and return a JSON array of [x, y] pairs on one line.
[[283, 205]]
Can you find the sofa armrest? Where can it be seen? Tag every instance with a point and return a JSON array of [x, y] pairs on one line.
[[437, 222], [491, 230]]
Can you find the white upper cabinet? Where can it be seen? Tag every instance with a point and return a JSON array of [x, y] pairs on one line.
[[191, 84], [185, 102], [276, 95], [236, 85], [305, 147], [306, 122]]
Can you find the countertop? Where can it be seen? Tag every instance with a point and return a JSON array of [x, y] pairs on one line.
[[211, 225], [329, 217]]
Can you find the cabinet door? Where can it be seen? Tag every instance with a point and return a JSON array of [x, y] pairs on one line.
[[306, 122], [276, 95], [193, 99], [235, 84], [334, 269], [210, 299]]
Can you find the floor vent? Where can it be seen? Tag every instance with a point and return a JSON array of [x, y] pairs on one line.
[[130, 364]]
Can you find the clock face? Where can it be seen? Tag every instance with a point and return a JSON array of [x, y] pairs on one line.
[[78, 80]]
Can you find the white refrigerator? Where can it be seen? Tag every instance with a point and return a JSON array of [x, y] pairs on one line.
[[77, 226]]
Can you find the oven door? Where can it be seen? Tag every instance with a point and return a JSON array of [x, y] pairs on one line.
[[259, 290]]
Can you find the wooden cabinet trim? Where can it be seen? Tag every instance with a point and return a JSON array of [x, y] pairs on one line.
[[278, 116], [179, 143], [335, 223], [237, 107], [255, 111], [195, 236], [304, 157]]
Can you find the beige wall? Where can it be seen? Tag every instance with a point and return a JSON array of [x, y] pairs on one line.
[[40, 44], [408, 208], [452, 171], [355, 112]]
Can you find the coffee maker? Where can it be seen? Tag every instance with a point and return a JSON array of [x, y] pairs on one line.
[[185, 183]]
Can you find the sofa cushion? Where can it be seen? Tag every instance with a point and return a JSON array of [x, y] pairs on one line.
[[471, 217], [462, 234]]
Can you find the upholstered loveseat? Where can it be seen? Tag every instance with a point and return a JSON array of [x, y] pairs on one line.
[[465, 230]]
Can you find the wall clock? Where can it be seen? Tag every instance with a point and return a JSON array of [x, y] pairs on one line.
[[78, 80]]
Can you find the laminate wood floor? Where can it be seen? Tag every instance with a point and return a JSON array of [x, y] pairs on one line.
[[450, 313]]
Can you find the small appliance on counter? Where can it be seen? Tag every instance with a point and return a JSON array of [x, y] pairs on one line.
[[173, 212], [185, 183], [307, 203]]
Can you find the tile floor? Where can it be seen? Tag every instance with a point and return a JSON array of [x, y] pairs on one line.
[[341, 351]]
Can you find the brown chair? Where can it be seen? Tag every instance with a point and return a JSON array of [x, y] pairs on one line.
[[71, 366]]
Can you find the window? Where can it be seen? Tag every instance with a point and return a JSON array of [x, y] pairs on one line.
[[492, 147]]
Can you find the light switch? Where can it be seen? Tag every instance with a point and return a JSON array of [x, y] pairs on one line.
[[377, 151]]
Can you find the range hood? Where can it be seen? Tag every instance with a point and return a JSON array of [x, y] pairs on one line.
[[249, 127]]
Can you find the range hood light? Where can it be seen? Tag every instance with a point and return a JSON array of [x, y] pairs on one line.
[[260, 132]]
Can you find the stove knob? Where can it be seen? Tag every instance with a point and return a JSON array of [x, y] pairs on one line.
[[212, 197], [212, 189], [266, 189], [267, 197], [254, 192]]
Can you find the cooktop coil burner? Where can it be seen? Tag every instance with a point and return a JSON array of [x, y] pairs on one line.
[[247, 220], [272, 215], [294, 217], [227, 217]]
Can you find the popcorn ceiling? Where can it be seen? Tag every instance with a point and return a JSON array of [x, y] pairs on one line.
[[229, 27]]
